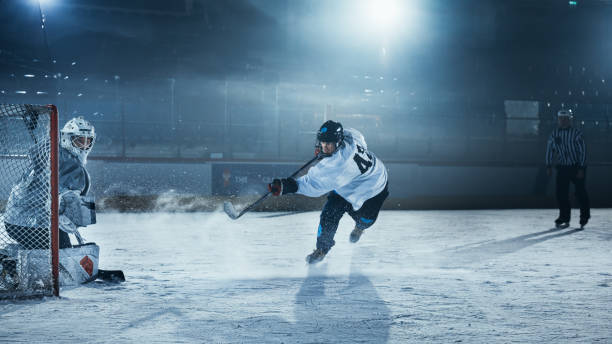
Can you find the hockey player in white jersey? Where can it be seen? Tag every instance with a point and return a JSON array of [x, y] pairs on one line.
[[354, 178]]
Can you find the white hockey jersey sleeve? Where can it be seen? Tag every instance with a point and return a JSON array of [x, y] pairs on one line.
[[329, 174]]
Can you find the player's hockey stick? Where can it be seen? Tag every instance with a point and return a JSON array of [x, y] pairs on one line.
[[229, 209]]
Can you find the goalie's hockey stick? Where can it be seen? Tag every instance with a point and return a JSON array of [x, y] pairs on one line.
[[229, 209], [114, 276]]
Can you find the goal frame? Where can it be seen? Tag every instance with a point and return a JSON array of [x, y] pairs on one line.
[[54, 184], [54, 141]]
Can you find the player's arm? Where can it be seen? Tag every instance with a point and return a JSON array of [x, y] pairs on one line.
[[69, 200], [550, 151], [581, 154], [323, 178], [76, 209], [319, 180], [581, 149]]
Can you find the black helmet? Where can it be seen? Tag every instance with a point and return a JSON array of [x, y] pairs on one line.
[[331, 131]]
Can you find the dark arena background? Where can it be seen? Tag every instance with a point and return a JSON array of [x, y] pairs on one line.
[[197, 102], [214, 98]]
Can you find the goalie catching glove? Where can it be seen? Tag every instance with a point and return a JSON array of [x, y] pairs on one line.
[[283, 186], [80, 211]]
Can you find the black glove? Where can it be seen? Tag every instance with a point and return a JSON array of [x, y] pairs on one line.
[[276, 187], [283, 186]]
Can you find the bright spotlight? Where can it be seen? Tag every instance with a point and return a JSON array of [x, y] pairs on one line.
[[382, 15], [387, 19], [44, 3]]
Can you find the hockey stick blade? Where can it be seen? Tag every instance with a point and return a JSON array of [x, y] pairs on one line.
[[115, 276], [229, 209]]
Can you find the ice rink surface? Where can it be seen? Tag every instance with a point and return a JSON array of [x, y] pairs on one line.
[[495, 276]]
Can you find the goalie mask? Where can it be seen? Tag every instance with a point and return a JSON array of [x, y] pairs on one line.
[[332, 132], [78, 137]]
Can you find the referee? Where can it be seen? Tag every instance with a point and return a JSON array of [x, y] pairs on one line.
[[567, 145]]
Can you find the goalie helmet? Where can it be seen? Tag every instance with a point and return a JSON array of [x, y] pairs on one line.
[[78, 137]]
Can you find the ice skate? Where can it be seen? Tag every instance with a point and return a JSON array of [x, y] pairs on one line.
[[356, 234], [583, 222], [316, 256], [561, 223]]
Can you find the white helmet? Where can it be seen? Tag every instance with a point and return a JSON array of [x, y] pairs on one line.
[[78, 137]]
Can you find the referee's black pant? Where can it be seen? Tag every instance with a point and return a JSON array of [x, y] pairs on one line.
[[565, 175]]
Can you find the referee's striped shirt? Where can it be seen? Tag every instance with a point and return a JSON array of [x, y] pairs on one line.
[[568, 145]]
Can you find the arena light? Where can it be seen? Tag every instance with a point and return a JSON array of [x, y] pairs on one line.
[[43, 2], [382, 16], [383, 22]]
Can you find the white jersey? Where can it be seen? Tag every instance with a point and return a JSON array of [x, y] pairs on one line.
[[352, 171]]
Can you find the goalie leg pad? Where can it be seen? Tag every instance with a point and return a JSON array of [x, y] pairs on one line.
[[78, 264]]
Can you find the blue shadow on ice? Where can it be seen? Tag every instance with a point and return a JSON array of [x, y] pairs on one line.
[[327, 309], [478, 252], [336, 309]]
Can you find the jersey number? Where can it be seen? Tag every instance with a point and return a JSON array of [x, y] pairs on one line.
[[363, 159]]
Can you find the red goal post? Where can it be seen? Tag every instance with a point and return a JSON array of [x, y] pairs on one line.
[[29, 204]]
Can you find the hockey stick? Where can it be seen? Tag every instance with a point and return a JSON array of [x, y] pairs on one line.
[[115, 276], [229, 209]]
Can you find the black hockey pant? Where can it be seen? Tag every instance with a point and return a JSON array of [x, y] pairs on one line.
[[565, 175], [35, 238], [334, 209]]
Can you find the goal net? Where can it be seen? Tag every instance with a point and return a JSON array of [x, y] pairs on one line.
[[28, 201]]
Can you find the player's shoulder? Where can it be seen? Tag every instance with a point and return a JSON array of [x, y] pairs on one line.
[[354, 137], [352, 133]]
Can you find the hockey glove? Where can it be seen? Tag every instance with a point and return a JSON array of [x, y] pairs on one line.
[[276, 187], [80, 210], [283, 186]]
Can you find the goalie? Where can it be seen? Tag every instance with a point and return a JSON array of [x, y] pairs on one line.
[[77, 207], [27, 220]]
